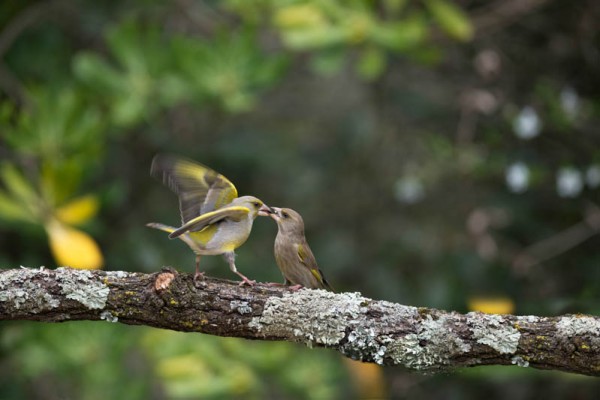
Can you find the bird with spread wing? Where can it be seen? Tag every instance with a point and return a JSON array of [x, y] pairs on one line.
[[214, 219]]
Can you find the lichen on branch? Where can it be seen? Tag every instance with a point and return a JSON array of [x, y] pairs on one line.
[[375, 331]]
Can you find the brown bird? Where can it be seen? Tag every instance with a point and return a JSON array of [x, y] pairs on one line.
[[292, 253]]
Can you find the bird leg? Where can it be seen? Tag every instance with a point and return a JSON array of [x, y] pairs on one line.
[[230, 258], [293, 288], [198, 275]]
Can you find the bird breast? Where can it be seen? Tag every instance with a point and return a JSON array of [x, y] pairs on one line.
[[223, 237]]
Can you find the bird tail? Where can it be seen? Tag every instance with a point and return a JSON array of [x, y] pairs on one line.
[[162, 227], [317, 273], [185, 237], [326, 284]]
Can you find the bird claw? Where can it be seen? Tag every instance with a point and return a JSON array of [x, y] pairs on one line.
[[246, 281], [199, 279], [295, 288]]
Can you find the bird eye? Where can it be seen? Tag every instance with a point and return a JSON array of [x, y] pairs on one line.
[[257, 205], [285, 215]]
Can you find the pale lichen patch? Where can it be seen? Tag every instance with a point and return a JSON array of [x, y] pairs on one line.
[[494, 331], [19, 289], [363, 343], [108, 316], [431, 347], [412, 353], [312, 316], [519, 361], [532, 319], [242, 307], [117, 274], [578, 326], [80, 285]]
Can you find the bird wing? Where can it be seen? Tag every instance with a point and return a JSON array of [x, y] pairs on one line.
[[307, 258], [199, 188], [234, 213]]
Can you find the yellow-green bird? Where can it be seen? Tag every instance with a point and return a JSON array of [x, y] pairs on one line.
[[292, 253], [214, 219]]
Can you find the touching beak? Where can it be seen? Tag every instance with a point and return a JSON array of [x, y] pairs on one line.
[[275, 213], [265, 211]]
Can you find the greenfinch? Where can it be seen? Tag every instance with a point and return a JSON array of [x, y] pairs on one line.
[[292, 253], [214, 219]]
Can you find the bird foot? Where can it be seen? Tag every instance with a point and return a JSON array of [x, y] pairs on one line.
[[198, 279], [295, 288], [246, 281]]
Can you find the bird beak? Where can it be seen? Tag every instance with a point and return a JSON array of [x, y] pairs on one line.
[[265, 211], [275, 213]]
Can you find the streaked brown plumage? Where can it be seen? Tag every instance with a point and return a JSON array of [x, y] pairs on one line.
[[292, 253]]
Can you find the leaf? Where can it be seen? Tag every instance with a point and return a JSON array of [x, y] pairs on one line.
[[451, 18], [13, 210], [395, 6], [367, 379], [79, 210], [72, 247], [371, 63], [306, 39], [401, 36], [229, 69], [492, 305], [95, 72], [299, 16], [59, 124], [328, 62], [20, 189]]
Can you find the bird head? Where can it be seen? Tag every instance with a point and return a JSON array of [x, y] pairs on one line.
[[256, 206], [288, 220]]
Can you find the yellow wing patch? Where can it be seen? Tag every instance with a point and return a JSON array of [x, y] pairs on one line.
[[205, 235], [201, 222], [301, 253], [317, 275], [206, 178], [199, 188]]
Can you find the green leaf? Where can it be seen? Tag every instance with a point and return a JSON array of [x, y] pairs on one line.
[[314, 38], [96, 73], [12, 210], [451, 18], [328, 62], [401, 36], [19, 188], [371, 63], [395, 6], [229, 69]]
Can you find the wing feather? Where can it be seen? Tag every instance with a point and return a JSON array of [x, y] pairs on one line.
[[199, 188], [307, 258], [235, 213]]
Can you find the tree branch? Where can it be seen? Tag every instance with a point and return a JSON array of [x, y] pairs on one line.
[[364, 329]]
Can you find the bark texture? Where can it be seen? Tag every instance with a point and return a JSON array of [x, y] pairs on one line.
[[364, 329]]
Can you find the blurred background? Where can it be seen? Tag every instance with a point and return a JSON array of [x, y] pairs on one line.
[[443, 154]]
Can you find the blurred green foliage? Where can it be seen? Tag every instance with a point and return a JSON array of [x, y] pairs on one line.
[[440, 153]]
